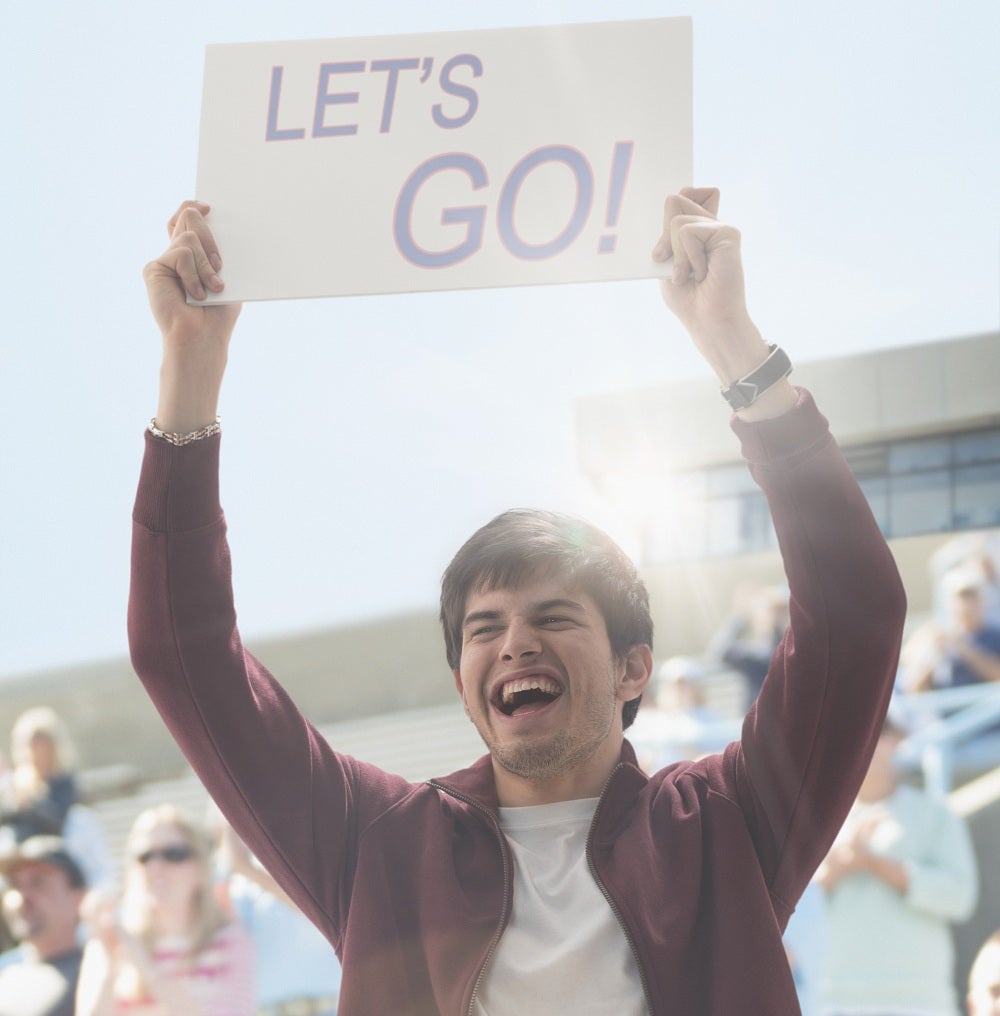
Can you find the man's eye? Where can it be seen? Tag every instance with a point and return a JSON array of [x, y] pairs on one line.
[[555, 619]]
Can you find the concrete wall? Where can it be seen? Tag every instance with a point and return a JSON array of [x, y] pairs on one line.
[[892, 393], [334, 674]]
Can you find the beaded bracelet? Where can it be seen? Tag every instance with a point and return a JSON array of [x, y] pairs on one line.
[[182, 439]]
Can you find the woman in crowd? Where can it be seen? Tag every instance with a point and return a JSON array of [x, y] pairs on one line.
[[169, 950], [38, 792]]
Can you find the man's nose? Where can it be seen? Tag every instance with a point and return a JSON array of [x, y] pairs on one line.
[[520, 640]]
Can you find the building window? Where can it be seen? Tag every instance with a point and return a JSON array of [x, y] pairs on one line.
[[928, 485], [919, 502]]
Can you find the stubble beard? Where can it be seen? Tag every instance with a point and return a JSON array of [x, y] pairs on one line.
[[558, 753], [545, 761]]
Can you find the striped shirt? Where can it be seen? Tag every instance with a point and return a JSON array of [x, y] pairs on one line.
[[220, 977]]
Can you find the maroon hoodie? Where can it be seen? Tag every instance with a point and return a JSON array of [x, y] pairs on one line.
[[701, 863]]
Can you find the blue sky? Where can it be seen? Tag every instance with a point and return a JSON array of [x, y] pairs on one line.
[[857, 147]]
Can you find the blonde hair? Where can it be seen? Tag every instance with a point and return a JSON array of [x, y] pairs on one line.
[[138, 915], [28, 784], [42, 720]]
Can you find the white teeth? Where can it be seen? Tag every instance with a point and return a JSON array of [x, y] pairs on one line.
[[545, 684]]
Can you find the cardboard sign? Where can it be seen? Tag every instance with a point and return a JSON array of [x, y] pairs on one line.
[[451, 160]]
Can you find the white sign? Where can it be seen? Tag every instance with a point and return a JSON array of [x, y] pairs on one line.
[[451, 160]]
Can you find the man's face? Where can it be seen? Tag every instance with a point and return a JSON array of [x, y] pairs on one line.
[[984, 991], [539, 680], [40, 904]]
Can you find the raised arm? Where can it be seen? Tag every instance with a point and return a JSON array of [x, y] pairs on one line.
[[195, 338], [258, 756], [806, 742], [705, 291]]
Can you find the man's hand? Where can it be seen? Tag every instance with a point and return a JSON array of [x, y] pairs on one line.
[[195, 338], [705, 291]]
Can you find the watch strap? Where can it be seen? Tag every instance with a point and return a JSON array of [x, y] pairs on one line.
[[745, 391]]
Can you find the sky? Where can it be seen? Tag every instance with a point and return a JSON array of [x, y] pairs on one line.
[[856, 146]]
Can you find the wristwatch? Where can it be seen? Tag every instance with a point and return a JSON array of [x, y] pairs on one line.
[[745, 392]]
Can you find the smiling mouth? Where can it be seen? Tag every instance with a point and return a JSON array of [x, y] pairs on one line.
[[520, 694]]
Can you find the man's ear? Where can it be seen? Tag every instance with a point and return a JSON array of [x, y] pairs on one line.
[[638, 669]]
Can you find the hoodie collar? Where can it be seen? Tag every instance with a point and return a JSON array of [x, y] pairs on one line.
[[476, 783]]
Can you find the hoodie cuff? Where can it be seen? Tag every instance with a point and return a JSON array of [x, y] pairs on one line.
[[178, 486], [785, 439]]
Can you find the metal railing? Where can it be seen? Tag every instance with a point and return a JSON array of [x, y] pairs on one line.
[[953, 728]]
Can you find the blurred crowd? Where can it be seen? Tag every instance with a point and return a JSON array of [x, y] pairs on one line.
[[190, 926], [188, 923], [873, 935]]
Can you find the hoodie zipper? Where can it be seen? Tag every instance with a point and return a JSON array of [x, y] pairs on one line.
[[505, 910], [607, 895]]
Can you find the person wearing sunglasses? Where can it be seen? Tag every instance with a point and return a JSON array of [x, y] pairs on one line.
[[168, 949]]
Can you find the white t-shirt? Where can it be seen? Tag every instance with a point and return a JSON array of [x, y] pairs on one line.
[[563, 950]]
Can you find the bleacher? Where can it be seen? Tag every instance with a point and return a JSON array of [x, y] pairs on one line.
[[416, 744]]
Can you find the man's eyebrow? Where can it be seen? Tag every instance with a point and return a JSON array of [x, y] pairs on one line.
[[560, 603], [556, 603], [480, 615]]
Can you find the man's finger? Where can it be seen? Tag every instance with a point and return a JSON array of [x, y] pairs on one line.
[[695, 239], [190, 217], [201, 258], [706, 197], [184, 265], [688, 256], [200, 206], [687, 203]]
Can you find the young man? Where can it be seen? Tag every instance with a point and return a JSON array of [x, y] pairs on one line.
[[41, 901], [552, 876]]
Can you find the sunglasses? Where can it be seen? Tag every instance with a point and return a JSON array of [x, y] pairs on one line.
[[171, 855]]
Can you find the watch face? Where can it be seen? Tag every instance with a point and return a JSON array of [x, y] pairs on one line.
[[741, 394]]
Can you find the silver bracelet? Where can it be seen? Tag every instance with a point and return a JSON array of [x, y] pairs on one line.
[[182, 439]]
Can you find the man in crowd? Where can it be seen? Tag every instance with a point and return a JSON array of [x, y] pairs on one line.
[[902, 870], [41, 901], [965, 650], [553, 875]]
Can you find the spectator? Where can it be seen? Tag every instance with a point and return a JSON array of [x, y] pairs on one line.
[[984, 979], [978, 551], [41, 788], [41, 902], [170, 950], [746, 640], [40, 796], [900, 871], [680, 725], [964, 650], [297, 969]]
